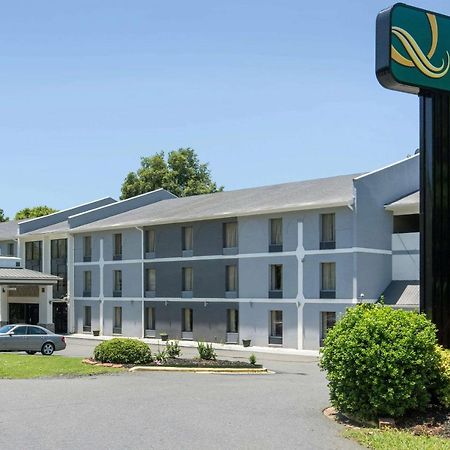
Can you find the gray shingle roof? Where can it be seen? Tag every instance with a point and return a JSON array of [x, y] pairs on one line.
[[18, 275], [409, 200], [318, 193], [59, 227], [402, 294], [8, 230]]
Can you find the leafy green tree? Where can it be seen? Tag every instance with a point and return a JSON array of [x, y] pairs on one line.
[[3, 218], [36, 211], [182, 174]]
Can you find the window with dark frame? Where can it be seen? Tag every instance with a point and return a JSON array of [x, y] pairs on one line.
[[87, 319], [117, 246], [276, 327], [327, 321], [328, 280], [150, 241], [10, 249], [117, 283], [232, 321], [149, 318], [230, 235], [276, 281], [117, 324], [276, 235], [151, 280], [187, 282], [231, 278], [87, 248], [328, 231], [187, 320], [87, 288], [187, 238]]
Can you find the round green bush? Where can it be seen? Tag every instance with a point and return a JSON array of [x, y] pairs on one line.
[[381, 362], [123, 351]]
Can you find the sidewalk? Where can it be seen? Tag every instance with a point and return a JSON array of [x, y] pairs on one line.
[[217, 346]]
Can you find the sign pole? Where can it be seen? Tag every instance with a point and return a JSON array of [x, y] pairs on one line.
[[413, 56], [435, 211]]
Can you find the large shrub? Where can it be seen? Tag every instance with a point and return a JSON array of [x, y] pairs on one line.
[[123, 351], [381, 362], [443, 388]]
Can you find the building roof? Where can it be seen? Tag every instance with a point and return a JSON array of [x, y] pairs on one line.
[[60, 227], [410, 204], [25, 276], [9, 230], [402, 294], [300, 195]]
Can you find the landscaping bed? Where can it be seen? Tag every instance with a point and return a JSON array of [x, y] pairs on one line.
[[217, 363]]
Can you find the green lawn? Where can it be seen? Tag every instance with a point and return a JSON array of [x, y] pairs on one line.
[[34, 366], [394, 439]]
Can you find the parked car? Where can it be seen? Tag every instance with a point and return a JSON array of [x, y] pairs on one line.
[[30, 339]]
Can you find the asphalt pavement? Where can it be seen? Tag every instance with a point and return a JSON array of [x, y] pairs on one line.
[[172, 410]]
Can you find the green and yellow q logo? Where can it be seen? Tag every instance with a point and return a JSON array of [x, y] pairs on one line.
[[417, 57]]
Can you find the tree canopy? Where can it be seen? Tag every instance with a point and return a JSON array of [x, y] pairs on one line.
[[182, 174], [36, 211], [3, 218]]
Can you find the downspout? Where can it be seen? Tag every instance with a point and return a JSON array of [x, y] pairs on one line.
[[142, 283]]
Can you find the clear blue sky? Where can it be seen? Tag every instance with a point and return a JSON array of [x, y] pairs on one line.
[[266, 91]]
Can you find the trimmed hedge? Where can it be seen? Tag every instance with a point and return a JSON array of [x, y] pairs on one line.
[[123, 351], [382, 362]]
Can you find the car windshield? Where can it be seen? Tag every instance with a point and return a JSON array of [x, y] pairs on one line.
[[6, 328]]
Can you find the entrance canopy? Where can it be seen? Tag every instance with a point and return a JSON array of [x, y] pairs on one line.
[[18, 276]]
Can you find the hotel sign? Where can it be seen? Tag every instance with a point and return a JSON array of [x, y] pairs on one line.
[[412, 53]]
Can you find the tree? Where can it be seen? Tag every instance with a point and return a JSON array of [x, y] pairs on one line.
[[182, 174], [2, 216], [36, 211]]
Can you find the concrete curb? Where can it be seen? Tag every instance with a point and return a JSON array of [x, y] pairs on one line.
[[200, 370]]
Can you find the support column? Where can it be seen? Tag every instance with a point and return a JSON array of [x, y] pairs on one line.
[[101, 265], [3, 305], [300, 296], [70, 285], [435, 212]]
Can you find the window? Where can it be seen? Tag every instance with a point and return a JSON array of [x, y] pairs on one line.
[[150, 241], [231, 278], [187, 239], [327, 231], [328, 280], [59, 249], [87, 283], [151, 280], [187, 279], [33, 255], [149, 318], [187, 321], [87, 318], [276, 327], [117, 246], [87, 248], [117, 323], [232, 321], [230, 235], [36, 331], [327, 321], [276, 235], [20, 331], [276, 281], [117, 283], [10, 249]]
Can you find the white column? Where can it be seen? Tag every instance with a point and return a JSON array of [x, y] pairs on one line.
[[300, 295], [70, 284], [142, 283], [3, 304], [101, 265]]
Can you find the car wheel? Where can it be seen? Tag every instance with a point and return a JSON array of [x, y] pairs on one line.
[[47, 349], [30, 352]]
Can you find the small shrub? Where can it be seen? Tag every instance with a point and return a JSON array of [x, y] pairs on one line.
[[381, 362], [123, 351], [161, 357], [443, 388], [173, 349], [252, 359], [206, 351]]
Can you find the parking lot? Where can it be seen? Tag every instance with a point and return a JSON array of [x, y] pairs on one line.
[[172, 410]]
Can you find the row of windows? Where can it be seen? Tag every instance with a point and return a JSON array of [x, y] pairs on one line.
[[327, 280], [229, 236], [327, 321]]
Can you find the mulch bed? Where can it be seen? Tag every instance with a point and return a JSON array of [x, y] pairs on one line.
[[219, 363], [182, 362], [432, 422], [435, 421]]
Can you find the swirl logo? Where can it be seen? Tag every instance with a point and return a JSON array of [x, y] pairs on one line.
[[417, 57]]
